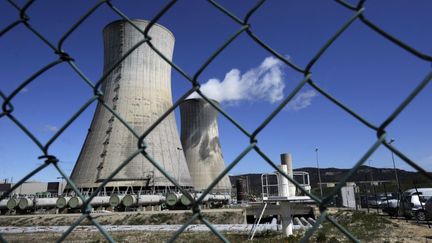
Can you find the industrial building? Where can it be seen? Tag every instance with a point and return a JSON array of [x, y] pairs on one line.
[[33, 188]]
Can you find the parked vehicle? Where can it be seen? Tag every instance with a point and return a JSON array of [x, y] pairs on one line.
[[377, 201], [428, 207], [413, 203], [381, 201], [391, 207]]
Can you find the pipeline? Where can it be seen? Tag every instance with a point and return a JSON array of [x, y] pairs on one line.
[[3, 204], [62, 202], [221, 198], [172, 200], [12, 203], [99, 201], [116, 200]]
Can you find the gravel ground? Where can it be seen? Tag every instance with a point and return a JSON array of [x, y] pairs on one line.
[[215, 216], [374, 228], [366, 227]]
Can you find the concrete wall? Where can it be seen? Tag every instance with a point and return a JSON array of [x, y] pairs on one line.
[[30, 188]]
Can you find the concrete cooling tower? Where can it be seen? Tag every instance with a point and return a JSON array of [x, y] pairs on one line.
[[139, 90], [200, 140]]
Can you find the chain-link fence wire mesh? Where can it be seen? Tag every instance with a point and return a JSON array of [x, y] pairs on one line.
[[358, 11]]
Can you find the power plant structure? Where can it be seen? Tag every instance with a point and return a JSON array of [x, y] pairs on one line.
[[139, 90], [200, 140]]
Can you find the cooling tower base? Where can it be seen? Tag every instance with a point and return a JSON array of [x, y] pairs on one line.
[[129, 189]]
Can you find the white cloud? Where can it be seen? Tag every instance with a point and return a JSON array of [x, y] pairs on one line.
[[50, 128], [301, 100], [264, 82]]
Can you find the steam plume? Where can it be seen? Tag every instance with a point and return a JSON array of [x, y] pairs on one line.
[[264, 82]]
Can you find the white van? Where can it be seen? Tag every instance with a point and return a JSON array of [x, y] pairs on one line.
[[413, 202]]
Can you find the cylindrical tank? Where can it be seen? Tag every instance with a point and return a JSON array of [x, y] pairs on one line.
[[3, 203], [150, 199], [129, 200], [142, 200], [46, 202], [75, 202], [100, 201], [286, 188], [62, 202], [115, 200], [241, 185], [219, 197], [185, 200], [200, 140], [139, 90], [12, 203], [210, 197], [283, 182], [172, 198], [25, 203]]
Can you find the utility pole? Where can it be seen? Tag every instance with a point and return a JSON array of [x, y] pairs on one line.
[[319, 173], [394, 168], [399, 194]]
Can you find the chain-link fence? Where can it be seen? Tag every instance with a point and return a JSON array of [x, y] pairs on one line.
[[358, 11]]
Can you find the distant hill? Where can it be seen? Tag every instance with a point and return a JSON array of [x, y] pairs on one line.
[[366, 173], [363, 176]]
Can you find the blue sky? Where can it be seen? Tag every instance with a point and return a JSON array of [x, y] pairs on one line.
[[361, 69]]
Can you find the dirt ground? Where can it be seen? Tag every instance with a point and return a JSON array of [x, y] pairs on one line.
[[373, 227], [215, 216], [409, 231], [366, 227]]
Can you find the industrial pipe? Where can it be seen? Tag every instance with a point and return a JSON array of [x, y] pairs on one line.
[[115, 200], [25, 203], [62, 202], [150, 199], [46, 202], [185, 200], [172, 198], [142, 200], [210, 197], [3, 203], [219, 197], [75, 202], [100, 201], [129, 200], [12, 203]]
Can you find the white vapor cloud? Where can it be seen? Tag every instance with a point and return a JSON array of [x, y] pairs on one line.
[[301, 100], [50, 128], [264, 82]]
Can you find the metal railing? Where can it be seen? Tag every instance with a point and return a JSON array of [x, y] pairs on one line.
[[270, 183], [244, 27]]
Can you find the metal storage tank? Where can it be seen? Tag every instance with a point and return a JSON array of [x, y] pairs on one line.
[[139, 89], [200, 140], [286, 188]]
